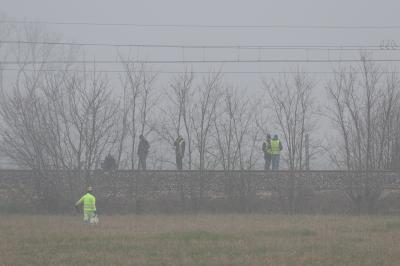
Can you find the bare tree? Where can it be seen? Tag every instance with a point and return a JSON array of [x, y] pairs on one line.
[[138, 83], [64, 118], [132, 85], [291, 102], [232, 127], [293, 108], [99, 118], [52, 118], [204, 113], [364, 105], [23, 109], [122, 129], [177, 112]]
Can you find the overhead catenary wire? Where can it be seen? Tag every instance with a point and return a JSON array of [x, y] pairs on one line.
[[238, 61], [205, 26], [201, 46]]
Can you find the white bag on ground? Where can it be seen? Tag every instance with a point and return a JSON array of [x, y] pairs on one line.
[[94, 219]]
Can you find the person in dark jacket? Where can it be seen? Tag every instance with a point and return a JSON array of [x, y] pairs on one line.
[[179, 151], [143, 151], [266, 148]]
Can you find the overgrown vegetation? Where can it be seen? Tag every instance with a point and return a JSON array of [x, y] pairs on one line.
[[200, 240]]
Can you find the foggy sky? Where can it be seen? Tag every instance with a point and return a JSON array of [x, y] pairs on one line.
[[225, 12], [221, 12]]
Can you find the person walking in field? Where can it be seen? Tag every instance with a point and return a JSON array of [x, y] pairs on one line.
[[276, 148], [89, 205], [143, 151], [179, 151], [266, 148]]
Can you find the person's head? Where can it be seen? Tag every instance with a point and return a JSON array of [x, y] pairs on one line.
[[141, 136], [89, 189], [275, 136], [268, 136]]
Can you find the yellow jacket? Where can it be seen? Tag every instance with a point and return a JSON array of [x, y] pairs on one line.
[[89, 202]]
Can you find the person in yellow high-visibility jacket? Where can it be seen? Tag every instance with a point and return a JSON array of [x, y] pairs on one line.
[[276, 148], [89, 205]]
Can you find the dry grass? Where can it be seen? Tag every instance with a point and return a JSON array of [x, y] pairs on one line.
[[200, 240]]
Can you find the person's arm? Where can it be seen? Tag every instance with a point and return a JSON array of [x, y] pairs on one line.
[[263, 146], [183, 148], [79, 201], [280, 146]]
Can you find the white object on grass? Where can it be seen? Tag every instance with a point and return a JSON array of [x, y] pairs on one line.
[[94, 219]]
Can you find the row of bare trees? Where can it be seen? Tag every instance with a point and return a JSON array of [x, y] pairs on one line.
[[71, 118], [365, 110]]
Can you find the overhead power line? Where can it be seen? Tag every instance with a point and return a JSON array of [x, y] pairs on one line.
[[207, 26], [197, 61], [166, 72], [182, 46], [194, 72]]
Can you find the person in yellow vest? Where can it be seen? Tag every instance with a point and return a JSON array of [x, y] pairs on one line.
[[266, 148], [179, 151], [276, 148], [89, 205]]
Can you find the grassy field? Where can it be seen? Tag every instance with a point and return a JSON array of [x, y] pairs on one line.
[[200, 240]]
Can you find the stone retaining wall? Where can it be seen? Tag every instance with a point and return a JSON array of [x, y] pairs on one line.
[[192, 191]]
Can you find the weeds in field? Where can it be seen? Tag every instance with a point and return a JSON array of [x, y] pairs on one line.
[[200, 240]]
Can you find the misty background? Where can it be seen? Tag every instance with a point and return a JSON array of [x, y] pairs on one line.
[[251, 30]]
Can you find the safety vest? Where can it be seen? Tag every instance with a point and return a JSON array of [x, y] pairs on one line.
[[275, 147], [267, 148], [89, 202]]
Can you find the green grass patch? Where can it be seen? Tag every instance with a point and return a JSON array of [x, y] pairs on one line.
[[197, 235], [392, 225], [200, 240], [287, 232], [389, 226]]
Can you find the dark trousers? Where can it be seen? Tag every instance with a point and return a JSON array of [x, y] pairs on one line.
[[267, 158], [275, 161], [142, 163], [179, 162]]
